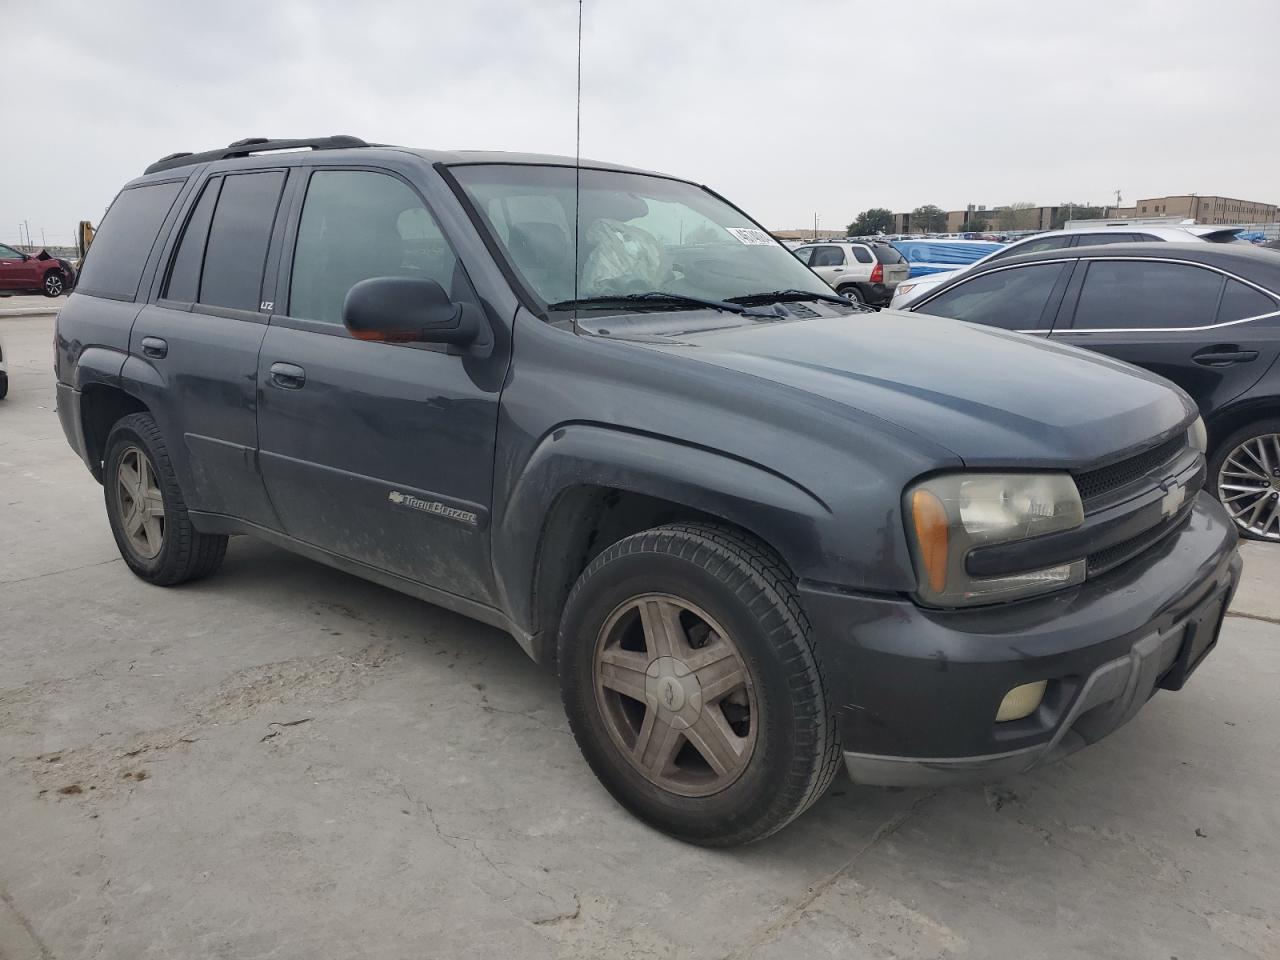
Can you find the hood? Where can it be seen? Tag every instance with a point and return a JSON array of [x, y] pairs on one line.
[[993, 398]]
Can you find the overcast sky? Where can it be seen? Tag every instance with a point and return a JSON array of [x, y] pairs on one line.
[[788, 107]]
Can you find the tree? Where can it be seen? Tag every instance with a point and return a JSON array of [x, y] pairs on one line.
[[1076, 211], [975, 225], [929, 219], [1018, 216], [870, 222]]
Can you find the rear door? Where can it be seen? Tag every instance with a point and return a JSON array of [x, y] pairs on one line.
[[376, 452], [201, 339], [1212, 334]]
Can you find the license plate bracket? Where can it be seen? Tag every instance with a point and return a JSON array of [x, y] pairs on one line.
[[1200, 635]]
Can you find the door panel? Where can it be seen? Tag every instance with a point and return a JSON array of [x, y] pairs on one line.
[[15, 272], [1184, 322], [381, 453]]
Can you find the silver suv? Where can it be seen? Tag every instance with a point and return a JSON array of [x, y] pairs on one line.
[[864, 272]]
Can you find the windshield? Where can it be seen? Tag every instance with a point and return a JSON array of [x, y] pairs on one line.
[[637, 234]]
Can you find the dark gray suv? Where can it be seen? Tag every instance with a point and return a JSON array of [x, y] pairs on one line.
[[761, 532]]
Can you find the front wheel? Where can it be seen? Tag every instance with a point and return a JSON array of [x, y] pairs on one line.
[[147, 513], [692, 685], [1245, 475], [54, 283]]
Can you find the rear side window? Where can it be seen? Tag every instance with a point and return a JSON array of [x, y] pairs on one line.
[[1035, 246], [239, 234], [1240, 301], [886, 254], [184, 275], [1136, 294], [124, 240], [827, 257], [862, 254], [1012, 299], [358, 224]]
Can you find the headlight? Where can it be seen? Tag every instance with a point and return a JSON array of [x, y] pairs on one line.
[[1198, 436], [905, 287], [951, 514]]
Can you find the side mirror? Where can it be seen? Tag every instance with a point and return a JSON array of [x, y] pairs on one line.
[[406, 310]]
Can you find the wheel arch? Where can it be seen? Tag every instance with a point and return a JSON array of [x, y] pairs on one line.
[[101, 407], [587, 487], [1223, 423]]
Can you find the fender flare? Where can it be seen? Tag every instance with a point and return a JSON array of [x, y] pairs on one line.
[[769, 505]]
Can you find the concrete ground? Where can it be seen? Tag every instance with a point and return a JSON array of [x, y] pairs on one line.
[[287, 762]]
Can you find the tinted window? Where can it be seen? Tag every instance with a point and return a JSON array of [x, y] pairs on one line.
[[827, 257], [8, 254], [184, 275], [1098, 239], [803, 254], [1035, 246], [1240, 300], [236, 252], [886, 254], [1012, 299], [123, 242], [862, 254], [356, 225], [1134, 293]]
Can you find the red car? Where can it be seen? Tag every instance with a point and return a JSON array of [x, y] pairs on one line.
[[32, 272]]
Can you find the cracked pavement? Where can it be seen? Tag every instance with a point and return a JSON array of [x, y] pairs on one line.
[[161, 797]]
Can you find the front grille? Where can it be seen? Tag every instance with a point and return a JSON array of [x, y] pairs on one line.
[[1118, 553], [1094, 484]]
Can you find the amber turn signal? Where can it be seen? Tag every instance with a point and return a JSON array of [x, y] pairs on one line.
[[930, 518]]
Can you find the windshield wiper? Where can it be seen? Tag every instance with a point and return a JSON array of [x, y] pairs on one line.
[[657, 298], [786, 296]]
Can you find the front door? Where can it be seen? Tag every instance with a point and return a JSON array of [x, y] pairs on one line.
[[381, 453], [1186, 322]]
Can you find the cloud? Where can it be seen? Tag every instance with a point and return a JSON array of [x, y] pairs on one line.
[[787, 108]]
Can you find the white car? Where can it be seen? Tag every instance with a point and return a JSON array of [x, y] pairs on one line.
[[865, 272], [911, 290]]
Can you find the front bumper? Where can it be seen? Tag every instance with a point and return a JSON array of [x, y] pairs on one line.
[[917, 689]]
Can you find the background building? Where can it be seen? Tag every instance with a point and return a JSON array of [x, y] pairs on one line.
[[1208, 209]]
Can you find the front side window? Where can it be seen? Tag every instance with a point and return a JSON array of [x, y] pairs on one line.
[[803, 254], [827, 257], [1131, 294], [636, 234], [1012, 299], [358, 224], [123, 242]]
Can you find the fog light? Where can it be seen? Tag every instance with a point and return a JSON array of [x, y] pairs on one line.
[[1021, 701]]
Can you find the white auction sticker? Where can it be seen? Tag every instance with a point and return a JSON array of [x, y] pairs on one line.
[[751, 236]]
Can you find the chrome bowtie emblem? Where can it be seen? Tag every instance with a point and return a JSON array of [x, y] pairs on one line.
[[1174, 494]]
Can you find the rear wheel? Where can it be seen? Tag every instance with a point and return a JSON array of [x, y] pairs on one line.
[[1245, 473], [851, 293], [692, 686], [54, 283], [147, 513]]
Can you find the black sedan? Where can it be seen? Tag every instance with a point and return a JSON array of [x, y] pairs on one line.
[[1206, 316]]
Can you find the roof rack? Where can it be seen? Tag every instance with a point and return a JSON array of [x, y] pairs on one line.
[[252, 145]]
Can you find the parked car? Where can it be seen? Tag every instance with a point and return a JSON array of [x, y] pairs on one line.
[[4, 371], [26, 272], [864, 272], [917, 287], [1206, 316], [759, 540]]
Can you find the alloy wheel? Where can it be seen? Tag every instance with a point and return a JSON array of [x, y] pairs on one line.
[[141, 503], [675, 695], [1249, 485], [53, 285]]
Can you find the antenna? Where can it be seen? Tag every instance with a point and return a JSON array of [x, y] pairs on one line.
[[577, 172]]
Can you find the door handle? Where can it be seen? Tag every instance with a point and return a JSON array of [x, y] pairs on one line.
[[288, 376], [1223, 356], [154, 347]]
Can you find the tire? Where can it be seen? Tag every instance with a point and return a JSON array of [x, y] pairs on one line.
[[1245, 470], [4, 384], [731, 592], [54, 284], [852, 293], [167, 549]]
